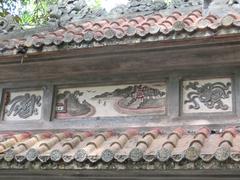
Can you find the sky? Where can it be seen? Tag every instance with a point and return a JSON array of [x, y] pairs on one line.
[[109, 4]]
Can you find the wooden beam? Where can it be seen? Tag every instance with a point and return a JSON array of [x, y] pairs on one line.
[[124, 62], [231, 174]]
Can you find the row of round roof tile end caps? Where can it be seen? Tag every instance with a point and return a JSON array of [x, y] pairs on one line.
[[140, 25], [121, 27], [131, 144]]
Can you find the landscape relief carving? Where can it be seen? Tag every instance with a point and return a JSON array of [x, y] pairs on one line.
[[124, 100], [23, 105], [68, 103], [213, 95]]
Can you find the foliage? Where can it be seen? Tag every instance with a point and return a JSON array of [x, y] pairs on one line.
[[32, 12], [6, 6], [38, 14], [35, 12], [96, 4], [27, 12]]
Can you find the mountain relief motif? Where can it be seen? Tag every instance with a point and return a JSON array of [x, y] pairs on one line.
[[137, 97], [69, 105], [111, 101]]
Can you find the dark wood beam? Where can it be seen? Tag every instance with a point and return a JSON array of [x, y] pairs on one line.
[[120, 174], [135, 60]]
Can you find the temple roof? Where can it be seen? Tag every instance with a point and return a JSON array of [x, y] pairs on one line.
[[130, 146], [140, 21]]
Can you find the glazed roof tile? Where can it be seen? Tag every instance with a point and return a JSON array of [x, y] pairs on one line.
[[100, 32], [131, 145]]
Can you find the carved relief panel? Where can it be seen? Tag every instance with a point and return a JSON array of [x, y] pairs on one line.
[[22, 105], [207, 95], [124, 100]]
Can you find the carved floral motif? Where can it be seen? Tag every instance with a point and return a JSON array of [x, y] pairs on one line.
[[209, 94]]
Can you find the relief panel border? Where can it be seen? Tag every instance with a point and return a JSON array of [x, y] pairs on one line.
[[209, 114]]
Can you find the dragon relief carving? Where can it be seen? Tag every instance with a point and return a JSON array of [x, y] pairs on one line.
[[24, 106], [209, 94]]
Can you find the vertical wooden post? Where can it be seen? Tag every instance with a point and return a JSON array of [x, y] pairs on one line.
[[1, 104], [173, 96], [47, 105], [236, 93]]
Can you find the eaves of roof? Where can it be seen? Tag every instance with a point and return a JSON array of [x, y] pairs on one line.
[[105, 32], [132, 149]]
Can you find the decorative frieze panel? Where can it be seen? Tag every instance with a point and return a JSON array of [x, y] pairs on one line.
[[207, 96], [22, 105], [110, 101], [198, 96]]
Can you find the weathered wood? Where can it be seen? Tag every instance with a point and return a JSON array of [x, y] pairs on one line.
[[137, 60], [1, 103], [236, 100], [145, 63], [47, 105], [121, 174], [173, 94], [147, 122]]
